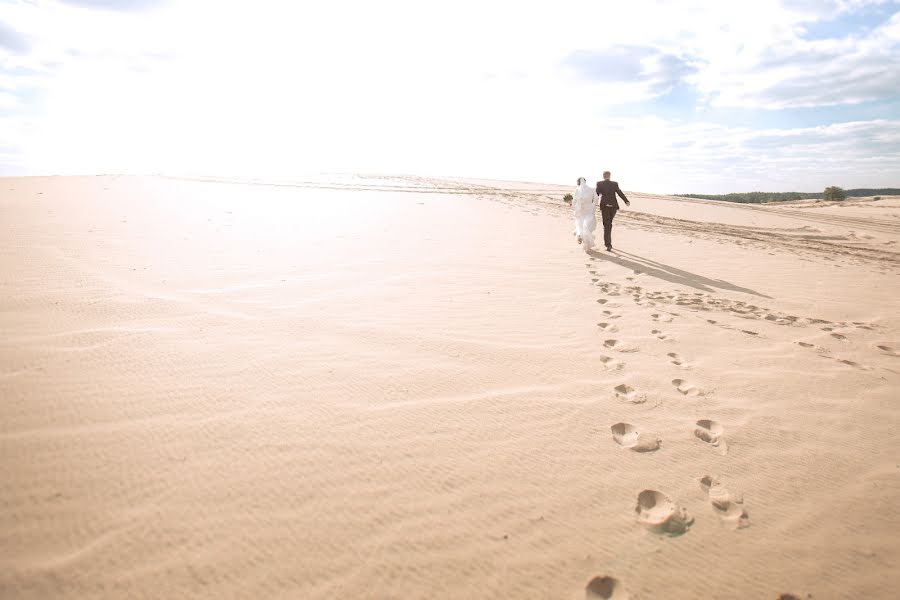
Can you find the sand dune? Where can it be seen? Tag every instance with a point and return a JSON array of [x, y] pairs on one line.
[[417, 388]]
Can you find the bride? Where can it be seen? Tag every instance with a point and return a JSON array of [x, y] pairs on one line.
[[584, 204]]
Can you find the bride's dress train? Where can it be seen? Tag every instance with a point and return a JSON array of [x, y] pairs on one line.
[[584, 204]]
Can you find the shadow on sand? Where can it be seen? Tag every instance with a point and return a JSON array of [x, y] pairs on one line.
[[652, 268]]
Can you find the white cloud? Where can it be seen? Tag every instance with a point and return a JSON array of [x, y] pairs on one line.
[[793, 72], [8, 101], [12, 40], [120, 5], [677, 157]]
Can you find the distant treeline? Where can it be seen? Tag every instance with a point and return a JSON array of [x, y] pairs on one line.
[[761, 197]]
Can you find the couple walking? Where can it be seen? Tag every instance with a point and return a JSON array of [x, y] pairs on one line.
[[585, 202]]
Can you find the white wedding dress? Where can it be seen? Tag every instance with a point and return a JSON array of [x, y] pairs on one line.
[[585, 205]]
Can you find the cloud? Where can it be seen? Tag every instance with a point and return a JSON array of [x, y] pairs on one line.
[[826, 8], [14, 135], [652, 69], [12, 40], [801, 73], [8, 101], [684, 156], [747, 56], [117, 5]]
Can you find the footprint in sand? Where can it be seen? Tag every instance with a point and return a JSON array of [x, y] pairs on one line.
[[614, 344], [854, 364], [660, 318], [611, 364], [728, 506], [711, 432], [748, 332], [838, 336], [610, 315], [659, 514], [887, 350], [685, 388], [607, 327], [818, 349], [694, 303], [628, 393], [602, 301], [676, 360], [607, 588], [627, 436], [659, 334], [785, 320]]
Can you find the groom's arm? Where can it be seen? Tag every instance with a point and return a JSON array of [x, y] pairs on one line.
[[622, 195]]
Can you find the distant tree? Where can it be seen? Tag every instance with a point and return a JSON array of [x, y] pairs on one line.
[[568, 198], [833, 193], [762, 197]]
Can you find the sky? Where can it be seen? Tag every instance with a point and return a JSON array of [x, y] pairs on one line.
[[671, 96]]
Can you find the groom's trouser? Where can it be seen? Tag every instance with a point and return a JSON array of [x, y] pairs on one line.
[[607, 213]]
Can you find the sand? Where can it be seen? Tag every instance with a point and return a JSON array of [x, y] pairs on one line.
[[414, 388]]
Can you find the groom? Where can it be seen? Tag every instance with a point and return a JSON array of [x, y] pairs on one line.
[[607, 191]]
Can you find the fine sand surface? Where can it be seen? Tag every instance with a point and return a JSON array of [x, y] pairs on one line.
[[366, 387]]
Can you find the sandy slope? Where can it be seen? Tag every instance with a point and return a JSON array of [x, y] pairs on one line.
[[405, 388]]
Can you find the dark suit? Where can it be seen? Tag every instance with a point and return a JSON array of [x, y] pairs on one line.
[[607, 190]]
